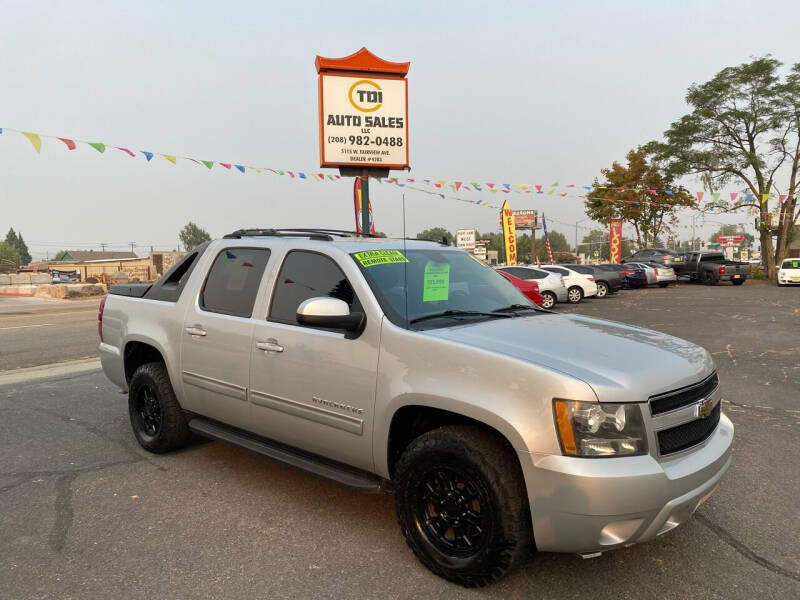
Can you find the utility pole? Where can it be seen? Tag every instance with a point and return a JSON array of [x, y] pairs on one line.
[[102, 246], [132, 245]]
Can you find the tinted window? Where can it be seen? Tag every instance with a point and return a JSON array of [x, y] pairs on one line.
[[556, 270], [520, 272], [232, 283], [581, 269], [307, 275]]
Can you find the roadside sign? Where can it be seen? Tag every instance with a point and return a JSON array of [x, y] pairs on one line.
[[363, 112], [465, 238], [525, 219], [723, 239], [744, 256]]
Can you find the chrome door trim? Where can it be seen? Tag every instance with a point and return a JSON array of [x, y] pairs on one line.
[[346, 423], [216, 386]]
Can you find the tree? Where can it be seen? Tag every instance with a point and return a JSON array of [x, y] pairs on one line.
[[60, 255], [15, 240], [744, 128], [436, 234], [192, 236], [640, 193], [9, 257]]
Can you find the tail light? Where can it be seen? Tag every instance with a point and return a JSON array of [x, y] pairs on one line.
[[655, 270], [590, 278], [628, 272], [665, 257], [100, 317], [722, 270]]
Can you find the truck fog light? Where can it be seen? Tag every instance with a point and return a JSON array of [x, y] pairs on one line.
[[599, 430]]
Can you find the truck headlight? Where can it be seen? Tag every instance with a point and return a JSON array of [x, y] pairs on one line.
[[596, 430]]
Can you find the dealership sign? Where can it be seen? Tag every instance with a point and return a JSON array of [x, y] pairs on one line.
[[363, 112], [465, 239], [730, 239], [525, 219]]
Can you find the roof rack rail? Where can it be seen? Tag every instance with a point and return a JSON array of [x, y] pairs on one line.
[[314, 234]]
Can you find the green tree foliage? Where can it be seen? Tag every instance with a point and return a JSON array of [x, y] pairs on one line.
[[595, 245], [9, 257], [192, 236], [60, 255], [644, 203], [744, 129], [16, 241], [436, 234]]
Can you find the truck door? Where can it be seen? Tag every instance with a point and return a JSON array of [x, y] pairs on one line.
[[217, 335], [314, 388]]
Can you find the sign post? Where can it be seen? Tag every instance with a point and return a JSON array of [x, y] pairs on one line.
[[363, 118]]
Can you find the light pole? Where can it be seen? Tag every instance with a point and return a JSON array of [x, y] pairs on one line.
[[576, 233]]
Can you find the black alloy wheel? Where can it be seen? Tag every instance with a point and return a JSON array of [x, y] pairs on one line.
[[602, 289], [450, 512], [146, 412]]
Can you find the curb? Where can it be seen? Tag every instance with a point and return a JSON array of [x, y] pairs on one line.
[[29, 374]]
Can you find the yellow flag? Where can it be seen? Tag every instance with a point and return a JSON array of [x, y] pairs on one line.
[[34, 139], [509, 234], [170, 158], [256, 169], [764, 198]]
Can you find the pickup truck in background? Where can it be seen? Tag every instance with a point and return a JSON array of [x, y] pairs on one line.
[[711, 268], [409, 367]]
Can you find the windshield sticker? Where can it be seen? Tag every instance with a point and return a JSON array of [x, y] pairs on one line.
[[437, 282], [370, 258]]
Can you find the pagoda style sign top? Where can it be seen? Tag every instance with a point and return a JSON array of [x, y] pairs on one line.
[[362, 60]]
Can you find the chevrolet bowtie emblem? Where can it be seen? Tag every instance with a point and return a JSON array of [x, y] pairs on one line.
[[705, 408]]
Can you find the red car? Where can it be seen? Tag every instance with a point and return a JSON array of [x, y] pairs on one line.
[[526, 286]]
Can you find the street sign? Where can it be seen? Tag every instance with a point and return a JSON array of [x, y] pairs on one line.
[[363, 112]]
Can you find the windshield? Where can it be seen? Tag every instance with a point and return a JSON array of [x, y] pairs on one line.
[[439, 281], [791, 264]]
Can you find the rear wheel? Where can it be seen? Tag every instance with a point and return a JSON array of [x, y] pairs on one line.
[[663, 284], [548, 299], [738, 281], [461, 504], [709, 279], [602, 289], [156, 417], [574, 295]]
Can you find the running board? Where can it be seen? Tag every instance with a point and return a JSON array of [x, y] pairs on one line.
[[356, 480]]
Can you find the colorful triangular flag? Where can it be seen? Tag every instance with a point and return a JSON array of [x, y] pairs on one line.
[[34, 139]]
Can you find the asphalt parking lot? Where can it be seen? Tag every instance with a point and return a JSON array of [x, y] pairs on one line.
[[86, 513]]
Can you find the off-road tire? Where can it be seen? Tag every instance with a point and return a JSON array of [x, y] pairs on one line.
[[479, 461], [574, 294], [602, 289], [150, 383], [548, 300]]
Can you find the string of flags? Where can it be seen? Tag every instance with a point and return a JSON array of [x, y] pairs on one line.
[[443, 187]]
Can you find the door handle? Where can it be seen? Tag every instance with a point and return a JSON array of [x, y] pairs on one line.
[[196, 330], [269, 346]]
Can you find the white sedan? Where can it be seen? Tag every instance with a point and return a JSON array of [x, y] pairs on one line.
[[579, 285], [789, 272]]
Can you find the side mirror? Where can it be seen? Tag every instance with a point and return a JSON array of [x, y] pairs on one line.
[[330, 313]]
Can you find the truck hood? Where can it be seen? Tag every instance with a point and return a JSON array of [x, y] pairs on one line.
[[620, 362]]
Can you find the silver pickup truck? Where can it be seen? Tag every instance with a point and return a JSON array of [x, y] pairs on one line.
[[409, 367]]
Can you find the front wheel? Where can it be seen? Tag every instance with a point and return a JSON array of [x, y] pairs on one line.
[[548, 299], [602, 289], [574, 295], [156, 417], [462, 505]]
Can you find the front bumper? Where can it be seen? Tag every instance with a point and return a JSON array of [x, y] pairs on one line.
[[592, 505]]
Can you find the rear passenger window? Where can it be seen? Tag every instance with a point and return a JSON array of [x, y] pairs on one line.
[[307, 275], [233, 281]]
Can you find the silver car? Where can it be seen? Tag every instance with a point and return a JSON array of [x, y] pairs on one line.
[[664, 275], [406, 365], [551, 285]]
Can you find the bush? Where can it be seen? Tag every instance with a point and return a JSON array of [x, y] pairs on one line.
[[757, 272]]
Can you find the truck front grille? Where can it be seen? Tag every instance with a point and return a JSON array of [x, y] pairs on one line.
[[689, 434], [683, 397]]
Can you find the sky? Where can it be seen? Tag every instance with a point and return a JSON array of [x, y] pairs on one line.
[[520, 92]]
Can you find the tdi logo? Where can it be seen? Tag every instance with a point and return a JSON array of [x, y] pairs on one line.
[[365, 95]]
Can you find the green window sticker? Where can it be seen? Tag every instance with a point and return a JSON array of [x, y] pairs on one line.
[[436, 285], [370, 258], [795, 264]]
